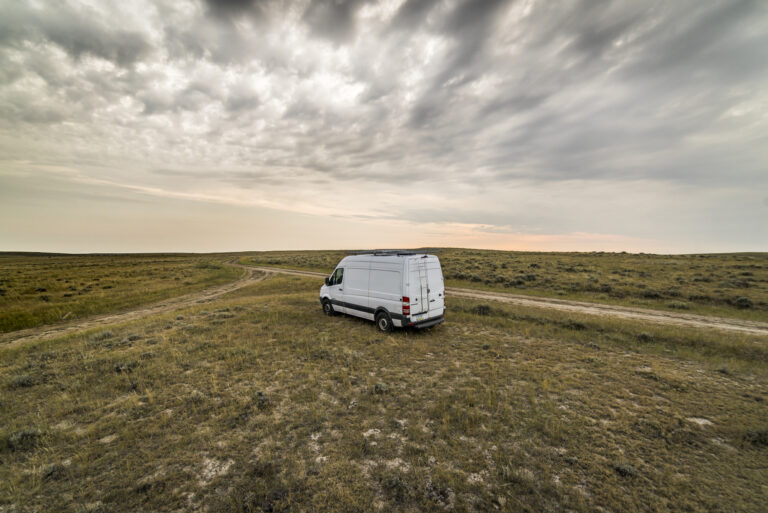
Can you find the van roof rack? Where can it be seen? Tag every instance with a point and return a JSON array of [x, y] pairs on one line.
[[388, 252]]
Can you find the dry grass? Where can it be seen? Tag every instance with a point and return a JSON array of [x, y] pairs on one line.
[[258, 402], [37, 289]]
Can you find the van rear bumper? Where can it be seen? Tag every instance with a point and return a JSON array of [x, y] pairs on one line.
[[426, 323]]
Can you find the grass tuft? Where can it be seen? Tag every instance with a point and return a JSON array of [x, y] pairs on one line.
[[197, 397]]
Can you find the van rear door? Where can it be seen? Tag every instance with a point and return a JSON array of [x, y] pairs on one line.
[[436, 287], [419, 285], [427, 289]]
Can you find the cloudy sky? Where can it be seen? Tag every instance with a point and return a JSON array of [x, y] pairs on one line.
[[202, 125]]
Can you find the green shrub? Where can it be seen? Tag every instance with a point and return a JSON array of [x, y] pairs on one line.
[[625, 470], [208, 265], [22, 381], [262, 401], [759, 438], [481, 310], [574, 325], [24, 440], [103, 335]]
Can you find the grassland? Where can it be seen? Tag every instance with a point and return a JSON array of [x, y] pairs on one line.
[[728, 285], [38, 289], [258, 402]]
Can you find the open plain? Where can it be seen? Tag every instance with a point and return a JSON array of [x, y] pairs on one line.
[[234, 393]]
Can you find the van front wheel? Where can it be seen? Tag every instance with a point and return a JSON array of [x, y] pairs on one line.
[[383, 322], [327, 308]]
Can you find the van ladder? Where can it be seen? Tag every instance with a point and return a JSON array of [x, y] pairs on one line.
[[424, 285]]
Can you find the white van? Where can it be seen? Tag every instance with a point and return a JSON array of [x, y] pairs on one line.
[[393, 288]]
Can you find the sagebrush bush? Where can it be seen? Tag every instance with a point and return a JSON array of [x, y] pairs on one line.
[[574, 325], [101, 336], [645, 337], [22, 381], [759, 438], [482, 310], [24, 440]]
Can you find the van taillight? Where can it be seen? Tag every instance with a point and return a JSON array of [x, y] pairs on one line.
[[406, 305]]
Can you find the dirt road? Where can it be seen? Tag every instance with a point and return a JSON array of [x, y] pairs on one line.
[[581, 307], [14, 338], [622, 312]]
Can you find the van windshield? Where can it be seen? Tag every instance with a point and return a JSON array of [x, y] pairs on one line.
[[337, 276]]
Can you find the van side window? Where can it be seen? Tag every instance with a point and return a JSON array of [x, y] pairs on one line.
[[337, 276]]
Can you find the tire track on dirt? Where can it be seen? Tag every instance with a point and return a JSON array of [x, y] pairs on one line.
[[46, 332], [621, 312], [583, 307]]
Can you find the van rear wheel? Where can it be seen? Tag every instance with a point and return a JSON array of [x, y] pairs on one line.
[[384, 322], [328, 308]]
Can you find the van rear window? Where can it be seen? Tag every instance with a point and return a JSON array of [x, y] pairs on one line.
[[435, 277]]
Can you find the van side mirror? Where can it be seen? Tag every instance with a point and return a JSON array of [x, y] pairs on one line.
[[327, 281]]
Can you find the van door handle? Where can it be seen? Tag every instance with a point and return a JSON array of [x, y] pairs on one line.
[[341, 289], [431, 300]]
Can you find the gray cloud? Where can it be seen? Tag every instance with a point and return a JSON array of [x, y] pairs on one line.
[[466, 99], [241, 98], [703, 41], [412, 14], [229, 9], [333, 19], [74, 31], [471, 24]]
